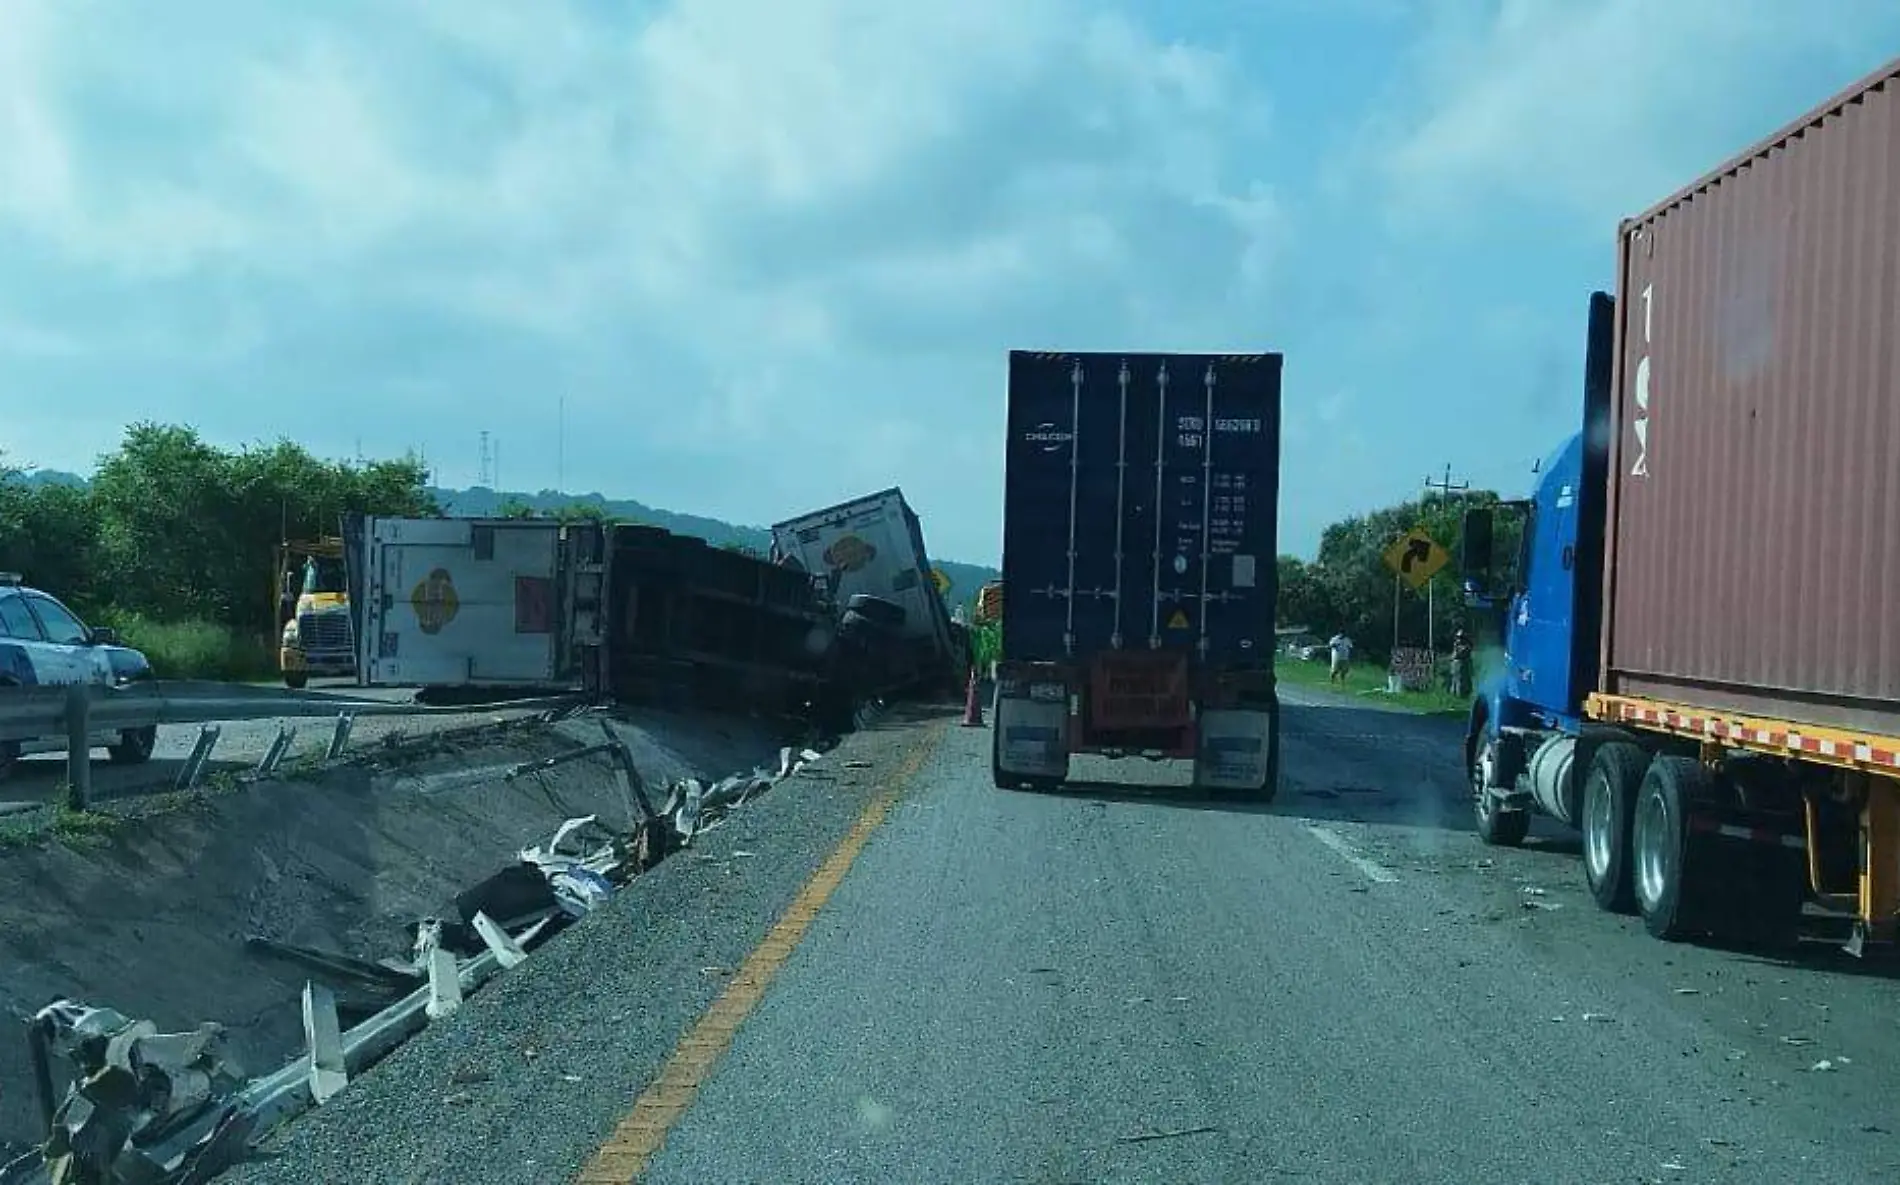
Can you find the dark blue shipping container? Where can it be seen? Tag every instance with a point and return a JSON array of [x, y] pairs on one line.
[[1140, 505]]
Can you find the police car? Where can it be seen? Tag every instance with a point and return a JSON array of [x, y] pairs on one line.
[[44, 643]]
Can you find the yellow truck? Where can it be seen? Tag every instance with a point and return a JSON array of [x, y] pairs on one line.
[[311, 591]]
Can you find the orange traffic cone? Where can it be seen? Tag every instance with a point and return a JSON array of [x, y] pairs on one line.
[[972, 706]]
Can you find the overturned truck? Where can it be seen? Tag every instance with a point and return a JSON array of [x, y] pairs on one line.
[[895, 637], [625, 612]]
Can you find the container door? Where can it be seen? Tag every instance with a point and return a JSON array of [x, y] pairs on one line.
[[463, 602]]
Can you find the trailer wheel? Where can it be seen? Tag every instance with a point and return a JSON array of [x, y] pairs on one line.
[[1499, 828], [1677, 877], [1609, 804], [134, 746], [1002, 781]]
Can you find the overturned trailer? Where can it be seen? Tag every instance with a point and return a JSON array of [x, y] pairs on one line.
[[621, 611], [688, 622], [895, 635]]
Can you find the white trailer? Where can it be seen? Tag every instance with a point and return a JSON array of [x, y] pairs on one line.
[[468, 602]]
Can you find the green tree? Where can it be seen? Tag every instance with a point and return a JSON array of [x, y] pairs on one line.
[[1349, 587], [1304, 599], [187, 531]]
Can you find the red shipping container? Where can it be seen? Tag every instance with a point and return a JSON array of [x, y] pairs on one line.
[[1753, 559]]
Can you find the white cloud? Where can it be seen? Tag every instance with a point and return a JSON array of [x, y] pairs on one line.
[[780, 216], [1594, 106]]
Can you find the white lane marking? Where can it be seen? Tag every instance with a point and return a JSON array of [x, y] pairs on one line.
[[1376, 872]]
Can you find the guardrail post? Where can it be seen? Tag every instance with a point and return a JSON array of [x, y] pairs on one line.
[[340, 739], [78, 747], [200, 756]]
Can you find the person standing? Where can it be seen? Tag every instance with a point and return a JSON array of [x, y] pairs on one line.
[[1461, 664], [1341, 646]]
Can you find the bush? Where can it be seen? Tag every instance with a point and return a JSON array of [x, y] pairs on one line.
[[194, 649], [986, 647]]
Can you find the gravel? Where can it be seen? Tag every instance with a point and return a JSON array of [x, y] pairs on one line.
[[530, 1077]]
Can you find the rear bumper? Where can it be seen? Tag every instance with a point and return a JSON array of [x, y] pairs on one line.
[[293, 661]]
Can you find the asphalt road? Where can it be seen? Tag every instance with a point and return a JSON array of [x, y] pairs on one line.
[[1116, 985], [1346, 987]]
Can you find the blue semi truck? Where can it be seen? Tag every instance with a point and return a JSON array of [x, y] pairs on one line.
[[1697, 610]]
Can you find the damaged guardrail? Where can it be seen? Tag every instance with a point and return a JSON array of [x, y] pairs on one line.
[[171, 1109], [27, 713], [82, 710]]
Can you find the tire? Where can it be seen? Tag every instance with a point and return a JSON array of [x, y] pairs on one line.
[[1264, 793], [889, 614], [135, 746], [1499, 828], [1604, 818], [1677, 876], [295, 680], [9, 750], [1001, 780]]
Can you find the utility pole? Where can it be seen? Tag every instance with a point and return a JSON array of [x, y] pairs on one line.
[[1445, 489], [481, 477]]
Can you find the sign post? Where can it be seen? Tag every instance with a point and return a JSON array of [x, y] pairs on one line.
[[1414, 557]]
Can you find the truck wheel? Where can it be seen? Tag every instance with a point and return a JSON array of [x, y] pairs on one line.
[[9, 750], [135, 746], [888, 614], [1609, 803], [1264, 793], [1499, 828], [295, 680], [1677, 876], [1001, 780]]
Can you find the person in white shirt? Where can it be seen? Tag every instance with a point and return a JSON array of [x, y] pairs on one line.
[[1341, 646]]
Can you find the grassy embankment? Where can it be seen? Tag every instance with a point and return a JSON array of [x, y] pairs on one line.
[[1362, 681], [1367, 681], [193, 649]]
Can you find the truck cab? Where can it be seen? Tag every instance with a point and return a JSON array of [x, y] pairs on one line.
[[318, 633], [1533, 572]]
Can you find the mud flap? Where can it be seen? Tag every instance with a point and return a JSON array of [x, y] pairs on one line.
[[1238, 751], [1031, 738]]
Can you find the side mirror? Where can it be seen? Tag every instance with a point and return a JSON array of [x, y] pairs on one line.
[[105, 636], [1478, 546]]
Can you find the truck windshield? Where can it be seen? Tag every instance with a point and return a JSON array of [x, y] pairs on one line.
[[323, 576]]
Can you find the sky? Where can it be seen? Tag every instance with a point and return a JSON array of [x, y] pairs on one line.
[[746, 258]]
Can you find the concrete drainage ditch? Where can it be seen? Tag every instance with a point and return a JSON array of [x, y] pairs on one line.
[[188, 980]]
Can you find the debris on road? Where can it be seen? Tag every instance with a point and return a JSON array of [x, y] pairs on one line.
[[1177, 1133]]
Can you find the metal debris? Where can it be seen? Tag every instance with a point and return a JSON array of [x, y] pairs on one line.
[[144, 1106]]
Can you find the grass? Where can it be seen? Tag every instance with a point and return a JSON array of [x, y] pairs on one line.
[[986, 646], [1365, 680], [195, 649], [83, 829]]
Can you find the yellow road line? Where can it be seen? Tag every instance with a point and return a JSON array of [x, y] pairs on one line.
[[638, 1136]]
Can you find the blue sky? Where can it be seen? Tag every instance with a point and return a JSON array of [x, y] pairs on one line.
[[771, 253]]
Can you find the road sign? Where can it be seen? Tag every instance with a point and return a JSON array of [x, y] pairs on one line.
[[1416, 557], [942, 581]]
